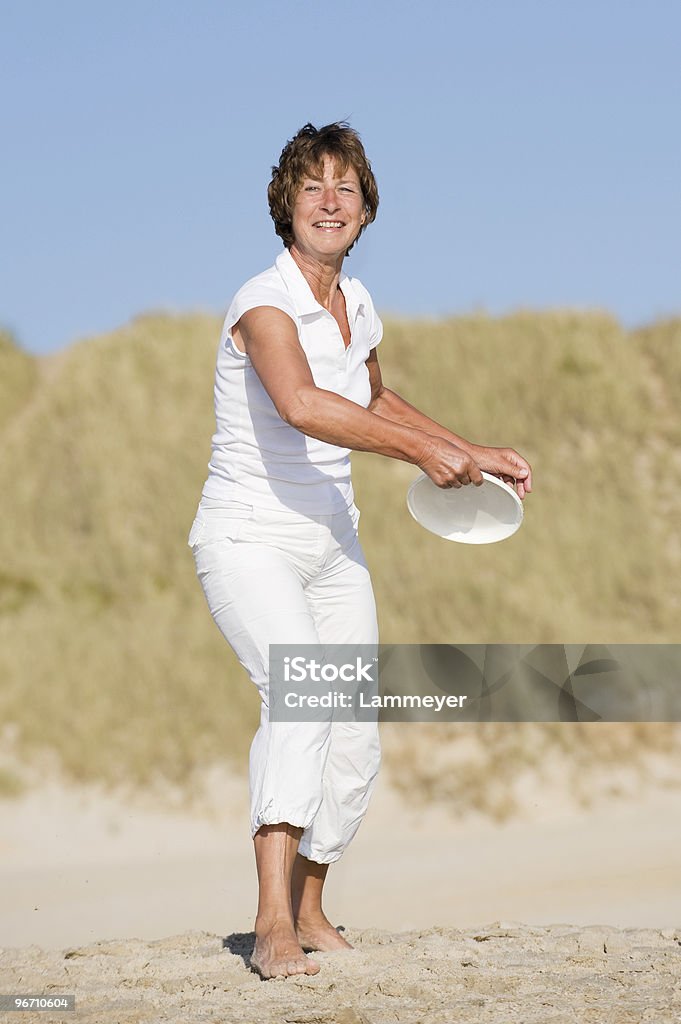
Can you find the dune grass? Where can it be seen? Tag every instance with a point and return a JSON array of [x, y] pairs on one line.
[[18, 377], [108, 654]]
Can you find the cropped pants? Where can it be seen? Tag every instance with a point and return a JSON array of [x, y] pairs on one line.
[[279, 577]]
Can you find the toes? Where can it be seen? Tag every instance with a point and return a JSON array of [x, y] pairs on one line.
[[285, 967], [288, 968]]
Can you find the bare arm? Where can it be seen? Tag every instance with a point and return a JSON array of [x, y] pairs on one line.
[[504, 462], [271, 342], [393, 407]]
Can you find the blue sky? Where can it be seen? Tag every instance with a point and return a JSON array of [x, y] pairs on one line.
[[527, 153]]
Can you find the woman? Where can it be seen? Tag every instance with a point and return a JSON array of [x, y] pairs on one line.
[[297, 387]]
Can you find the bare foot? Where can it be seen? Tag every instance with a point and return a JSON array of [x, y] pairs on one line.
[[278, 953], [319, 933]]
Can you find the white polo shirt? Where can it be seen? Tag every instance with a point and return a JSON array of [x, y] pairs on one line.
[[257, 457]]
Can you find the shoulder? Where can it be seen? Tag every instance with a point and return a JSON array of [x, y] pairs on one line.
[[267, 284], [264, 289]]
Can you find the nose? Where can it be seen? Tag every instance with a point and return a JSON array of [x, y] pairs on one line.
[[329, 200]]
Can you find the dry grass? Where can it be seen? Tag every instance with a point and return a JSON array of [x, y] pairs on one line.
[[108, 655], [18, 376]]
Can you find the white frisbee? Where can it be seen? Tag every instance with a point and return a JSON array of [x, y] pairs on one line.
[[469, 514]]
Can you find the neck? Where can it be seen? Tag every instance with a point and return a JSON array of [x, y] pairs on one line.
[[322, 277]]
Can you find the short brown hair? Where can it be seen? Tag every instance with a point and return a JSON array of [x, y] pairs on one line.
[[305, 153]]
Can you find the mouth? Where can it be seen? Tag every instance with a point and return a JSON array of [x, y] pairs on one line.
[[329, 225]]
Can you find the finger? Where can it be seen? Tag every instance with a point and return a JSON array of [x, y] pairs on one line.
[[523, 472], [526, 479]]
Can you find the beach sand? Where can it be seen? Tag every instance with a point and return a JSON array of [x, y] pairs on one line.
[[146, 914], [504, 971]]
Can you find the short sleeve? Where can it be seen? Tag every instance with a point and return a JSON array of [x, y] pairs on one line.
[[252, 295], [376, 331], [375, 324]]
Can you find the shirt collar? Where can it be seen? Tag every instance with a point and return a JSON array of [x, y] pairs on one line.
[[301, 293]]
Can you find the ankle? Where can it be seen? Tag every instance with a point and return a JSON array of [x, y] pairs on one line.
[[264, 923], [309, 915]]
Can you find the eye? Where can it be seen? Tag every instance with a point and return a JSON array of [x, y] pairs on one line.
[[310, 188]]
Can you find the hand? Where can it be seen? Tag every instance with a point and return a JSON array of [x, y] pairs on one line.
[[507, 464], [447, 465]]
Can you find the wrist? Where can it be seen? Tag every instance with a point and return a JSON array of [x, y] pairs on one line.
[[423, 448], [476, 451]]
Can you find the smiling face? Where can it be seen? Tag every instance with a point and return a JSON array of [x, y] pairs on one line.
[[328, 211]]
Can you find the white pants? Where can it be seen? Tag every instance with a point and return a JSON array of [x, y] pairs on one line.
[[274, 577]]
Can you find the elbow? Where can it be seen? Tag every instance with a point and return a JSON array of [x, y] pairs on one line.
[[295, 409], [377, 399]]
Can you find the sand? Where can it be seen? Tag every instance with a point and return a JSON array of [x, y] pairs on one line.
[[146, 914], [499, 973]]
